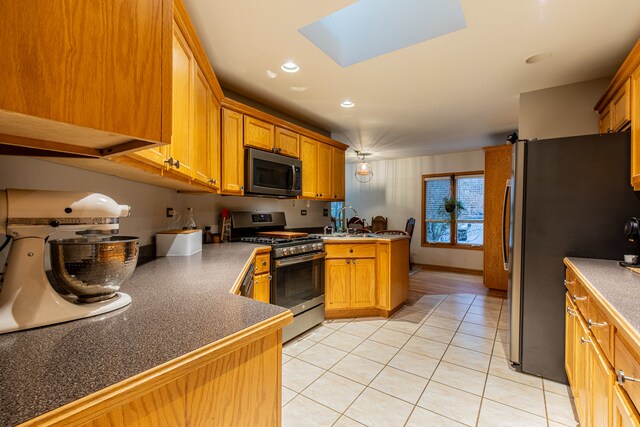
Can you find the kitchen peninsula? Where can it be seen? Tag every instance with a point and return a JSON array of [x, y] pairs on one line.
[[186, 349]]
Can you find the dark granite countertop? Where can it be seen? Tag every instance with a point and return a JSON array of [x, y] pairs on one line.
[[619, 286], [179, 305]]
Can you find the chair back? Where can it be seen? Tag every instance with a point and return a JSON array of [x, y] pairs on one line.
[[355, 222], [411, 223], [378, 223], [393, 232]]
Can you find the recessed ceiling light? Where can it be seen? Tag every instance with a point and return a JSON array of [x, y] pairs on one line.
[[298, 88], [534, 59], [271, 74], [290, 67], [347, 104]]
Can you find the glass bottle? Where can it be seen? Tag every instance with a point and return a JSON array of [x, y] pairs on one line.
[[189, 223]]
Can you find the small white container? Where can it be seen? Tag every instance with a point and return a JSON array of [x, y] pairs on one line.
[[178, 242]]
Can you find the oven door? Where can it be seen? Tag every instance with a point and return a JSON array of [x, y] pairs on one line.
[[272, 174], [298, 282]]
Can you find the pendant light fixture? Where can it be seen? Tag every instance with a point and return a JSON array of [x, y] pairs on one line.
[[364, 173]]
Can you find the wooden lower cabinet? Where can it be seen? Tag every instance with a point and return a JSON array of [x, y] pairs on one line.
[[350, 283], [570, 341], [602, 380], [262, 287], [366, 278], [624, 413], [581, 371]]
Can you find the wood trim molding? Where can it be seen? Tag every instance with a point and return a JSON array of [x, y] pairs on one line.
[[100, 402], [620, 324], [496, 147], [629, 65], [59, 147], [238, 107], [433, 267], [345, 313], [450, 246], [187, 28]]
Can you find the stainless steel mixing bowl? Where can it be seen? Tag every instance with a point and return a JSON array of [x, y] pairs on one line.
[[93, 270]]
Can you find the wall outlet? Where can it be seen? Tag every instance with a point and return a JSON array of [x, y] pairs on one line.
[[325, 212], [170, 212], [303, 212]]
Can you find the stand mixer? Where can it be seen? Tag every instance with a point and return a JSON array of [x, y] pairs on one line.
[[91, 267]]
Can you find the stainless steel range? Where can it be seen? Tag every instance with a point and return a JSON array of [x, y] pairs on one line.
[[297, 268]]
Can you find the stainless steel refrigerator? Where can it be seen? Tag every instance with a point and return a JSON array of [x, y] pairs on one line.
[[569, 197]]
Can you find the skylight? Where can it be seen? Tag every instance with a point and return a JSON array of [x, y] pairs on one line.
[[370, 28]]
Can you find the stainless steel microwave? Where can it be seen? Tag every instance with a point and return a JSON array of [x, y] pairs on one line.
[[270, 174]]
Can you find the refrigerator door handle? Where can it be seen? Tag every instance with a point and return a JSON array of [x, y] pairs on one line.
[[505, 206]]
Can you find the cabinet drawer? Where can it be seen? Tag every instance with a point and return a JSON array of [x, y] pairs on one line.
[[627, 361], [262, 263], [600, 327], [352, 250]]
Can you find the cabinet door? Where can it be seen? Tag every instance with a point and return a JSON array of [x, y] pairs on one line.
[[582, 372], [201, 133], [261, 287], [621, 107], [570, 341], [232, 153], [363, 283], [337, 172], [337, 283], [214, 137], [97, 65], [183, 77], [324, 171], [606, 120], [624, 413], [258, 134], [309, 157], [602, 380], [287, 142]]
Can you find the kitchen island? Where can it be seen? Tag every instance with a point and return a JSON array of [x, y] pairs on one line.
[[185, 351], [366, 275]]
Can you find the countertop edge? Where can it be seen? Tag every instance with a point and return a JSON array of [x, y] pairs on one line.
[[345, 240], [620, 322], [235, 289], [101, 401]]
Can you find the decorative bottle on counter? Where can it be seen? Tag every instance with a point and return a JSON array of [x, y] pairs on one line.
[[190, 223]]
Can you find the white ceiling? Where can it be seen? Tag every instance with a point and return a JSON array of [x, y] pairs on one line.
[[442, 95]]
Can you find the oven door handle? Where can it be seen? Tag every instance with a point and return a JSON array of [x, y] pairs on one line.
[[299, 259]]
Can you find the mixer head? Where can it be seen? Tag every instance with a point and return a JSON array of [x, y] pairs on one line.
[[39, 213]]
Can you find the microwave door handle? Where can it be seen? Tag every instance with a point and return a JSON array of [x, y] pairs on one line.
[[293, 177], [505, 206]]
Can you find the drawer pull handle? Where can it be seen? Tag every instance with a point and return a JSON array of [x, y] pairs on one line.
[[583, 340], [569, 282], [264, 263], [622, 378], [596, 324], [576, 298], [570, 312]]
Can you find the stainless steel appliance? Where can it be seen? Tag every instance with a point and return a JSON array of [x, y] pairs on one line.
[[297, 268], [271, 174], [91, 268], [570, 197]]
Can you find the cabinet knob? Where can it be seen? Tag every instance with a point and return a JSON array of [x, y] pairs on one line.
[[212, 181], [354, 262], [173, 163], [350, 251], [264, 263], [242, 188], [269, 277], [583, 340], [348, 262], [621, 378]]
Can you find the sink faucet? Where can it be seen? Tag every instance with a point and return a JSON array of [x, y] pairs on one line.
[[328, 228], [344, 217]]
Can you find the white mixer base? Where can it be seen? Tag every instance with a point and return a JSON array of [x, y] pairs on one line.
[[27, 300]]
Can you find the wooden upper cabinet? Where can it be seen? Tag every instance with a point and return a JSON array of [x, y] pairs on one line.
[[337, 162], [181, 148], [84, 75], [202, 135], [325, 186], [258, 134], [309, 157], [635, 129], [621, 107], [214, 155], [232, 169], [287, 142], [497, 170], [605, 123]]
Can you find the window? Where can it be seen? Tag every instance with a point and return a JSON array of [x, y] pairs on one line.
[[464, 227]]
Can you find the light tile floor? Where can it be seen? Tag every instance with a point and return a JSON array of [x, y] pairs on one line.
[[440, 362]]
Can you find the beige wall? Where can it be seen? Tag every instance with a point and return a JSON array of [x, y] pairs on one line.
[[396, 192], [561, 111]]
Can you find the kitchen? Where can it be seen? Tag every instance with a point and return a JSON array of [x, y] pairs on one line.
[[393, 192]]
